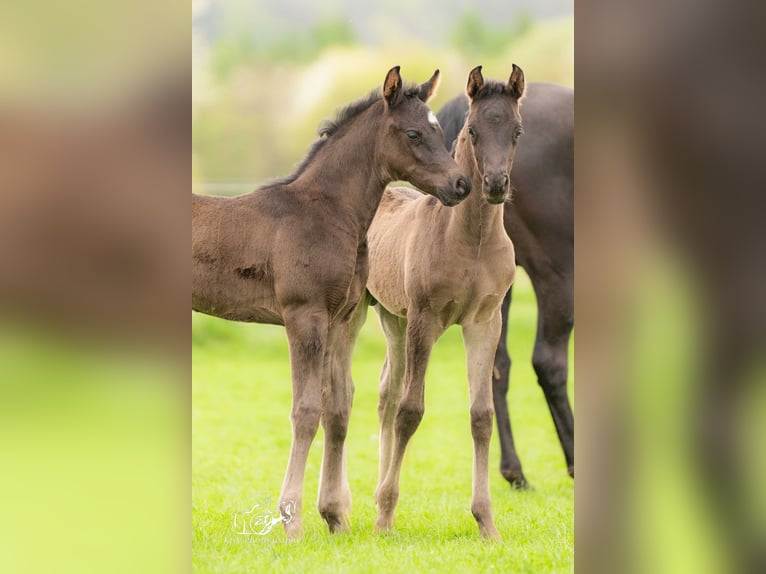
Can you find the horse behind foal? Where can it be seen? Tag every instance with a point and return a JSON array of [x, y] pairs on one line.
[[295, 253], [432, 267]]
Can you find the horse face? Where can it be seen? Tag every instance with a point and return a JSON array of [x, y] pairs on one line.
[[412, 142], [493, 126]]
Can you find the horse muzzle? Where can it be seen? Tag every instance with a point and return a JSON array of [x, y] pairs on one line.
[[496, 186], [457, 192]]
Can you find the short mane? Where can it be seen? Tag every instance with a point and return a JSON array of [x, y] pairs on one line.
[[492, 88], [329, 127]]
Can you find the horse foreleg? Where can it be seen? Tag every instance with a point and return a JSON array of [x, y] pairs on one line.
[[421, 334], [480, 341], [510, 465], [307, 337]]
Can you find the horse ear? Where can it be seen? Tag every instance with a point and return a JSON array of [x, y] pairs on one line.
[[516, 83], [427, 90], [475, 82], [392, 87]]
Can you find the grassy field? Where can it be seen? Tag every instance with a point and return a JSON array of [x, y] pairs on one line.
[[241, 439]]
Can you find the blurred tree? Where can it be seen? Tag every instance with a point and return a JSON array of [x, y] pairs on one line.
[[297, 46], [471, 36], [229, 53]]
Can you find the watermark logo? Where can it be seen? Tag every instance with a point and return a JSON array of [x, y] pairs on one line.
[[258, 522]]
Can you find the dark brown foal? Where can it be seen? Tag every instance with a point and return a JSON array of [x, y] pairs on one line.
[[295, 253]]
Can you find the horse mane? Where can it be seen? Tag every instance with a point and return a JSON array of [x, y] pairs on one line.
[[492, 88], [329, 127]]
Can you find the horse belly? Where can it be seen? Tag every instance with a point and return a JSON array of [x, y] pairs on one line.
[[236, 295]]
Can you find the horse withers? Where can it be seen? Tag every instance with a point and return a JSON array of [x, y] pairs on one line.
[[295, 253], [432, 267]]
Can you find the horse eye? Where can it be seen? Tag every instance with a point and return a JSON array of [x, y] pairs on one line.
[[414, 136], [472, 133], [517, 133]]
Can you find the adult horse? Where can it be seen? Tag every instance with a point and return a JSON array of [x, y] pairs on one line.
[[432, 267], [294, 253], [540, 221]]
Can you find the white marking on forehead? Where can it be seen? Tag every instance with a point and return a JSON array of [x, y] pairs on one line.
[[432, 119]]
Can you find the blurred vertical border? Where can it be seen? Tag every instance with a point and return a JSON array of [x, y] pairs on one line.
[[670, 284], [95, 171]]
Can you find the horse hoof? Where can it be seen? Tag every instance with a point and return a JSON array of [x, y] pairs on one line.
[[570, 470], [293, 530], [336, 523], [384, 525], [516, 479], [490, 533]]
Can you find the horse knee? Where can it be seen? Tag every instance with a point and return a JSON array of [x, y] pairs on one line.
[[336, 424], [305, 419], [481, 422], [408, 417]]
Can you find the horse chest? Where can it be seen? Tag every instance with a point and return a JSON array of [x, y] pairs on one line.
[[476, 293]]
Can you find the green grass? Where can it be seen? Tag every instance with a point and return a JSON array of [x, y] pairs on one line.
[[241, 439]]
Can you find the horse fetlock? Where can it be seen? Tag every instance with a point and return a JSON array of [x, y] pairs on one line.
[[482, 512], [515, 477], [386, 499], [335, 515]]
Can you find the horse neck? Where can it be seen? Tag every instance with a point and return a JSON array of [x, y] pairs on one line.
[[474, 219], [345, 168]]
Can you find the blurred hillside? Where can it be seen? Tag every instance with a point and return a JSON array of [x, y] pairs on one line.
[[265, 75]]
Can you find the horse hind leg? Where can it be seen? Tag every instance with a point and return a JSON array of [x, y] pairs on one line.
[[336, 410], [334, 501], [510, 465], [551, 363], [307, 337], [390, 389], [421, 334]]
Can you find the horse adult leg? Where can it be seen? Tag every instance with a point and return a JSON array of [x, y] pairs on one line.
[[551, 362], [480, 341], [510, 465], [334, 501], [391, 379], [421, 334], [307, 337]]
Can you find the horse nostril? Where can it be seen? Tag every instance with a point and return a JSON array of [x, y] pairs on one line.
[[506, 180], [486, 180], [463, 186]]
